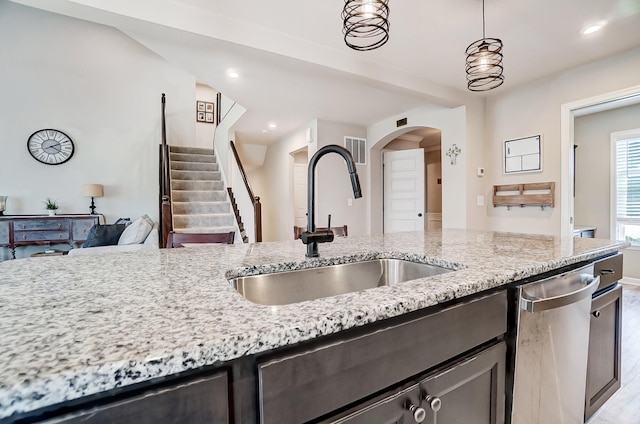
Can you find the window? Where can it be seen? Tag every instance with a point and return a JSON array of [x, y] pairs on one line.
[[626, 179], [358, 149]]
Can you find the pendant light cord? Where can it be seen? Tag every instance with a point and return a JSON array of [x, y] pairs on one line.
[[483, 34]]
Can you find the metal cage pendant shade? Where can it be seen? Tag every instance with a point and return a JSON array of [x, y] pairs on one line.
[[365, 23], [484, 62]]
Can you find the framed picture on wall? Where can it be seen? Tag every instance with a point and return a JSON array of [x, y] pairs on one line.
[[522, 155], [205, 112]]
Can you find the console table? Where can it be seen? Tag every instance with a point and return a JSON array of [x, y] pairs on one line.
[[23, 230]]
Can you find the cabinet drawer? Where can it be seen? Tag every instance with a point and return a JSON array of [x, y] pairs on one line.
[[609, 269], [26, 236], [4, 233], [311, 383], [45, 224], [204, 400]]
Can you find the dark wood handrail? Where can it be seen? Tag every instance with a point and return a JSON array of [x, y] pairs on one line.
[[166, 220], [257, 206], [244, 175]]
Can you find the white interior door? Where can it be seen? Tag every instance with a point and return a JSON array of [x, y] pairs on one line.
[[404, 190], [300, 193]]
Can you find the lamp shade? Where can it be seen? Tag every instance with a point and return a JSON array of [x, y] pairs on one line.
[[92, 190]]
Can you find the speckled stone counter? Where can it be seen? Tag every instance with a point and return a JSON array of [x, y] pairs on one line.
[[75, 326]]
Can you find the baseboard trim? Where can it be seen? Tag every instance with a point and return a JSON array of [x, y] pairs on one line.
[[629, 280]]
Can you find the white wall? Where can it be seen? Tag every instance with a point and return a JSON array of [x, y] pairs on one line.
[[592, 134], [274, 184], [103, 90], [333, 188], [535, 109], [204, 130], [453, 125]]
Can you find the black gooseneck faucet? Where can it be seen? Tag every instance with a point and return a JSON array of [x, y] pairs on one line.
[[311, 237]]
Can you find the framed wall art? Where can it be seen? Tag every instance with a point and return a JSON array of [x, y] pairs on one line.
[[522, 155], [205, 112]]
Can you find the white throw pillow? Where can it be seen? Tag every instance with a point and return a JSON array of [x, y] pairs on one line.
[[137, 231]]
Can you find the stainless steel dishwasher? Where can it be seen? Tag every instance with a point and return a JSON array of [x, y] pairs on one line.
[[551, 348]]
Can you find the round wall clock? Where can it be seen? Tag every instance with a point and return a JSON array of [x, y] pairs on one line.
[[51, 147]]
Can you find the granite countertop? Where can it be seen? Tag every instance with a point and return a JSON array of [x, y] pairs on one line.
[[75, 326]]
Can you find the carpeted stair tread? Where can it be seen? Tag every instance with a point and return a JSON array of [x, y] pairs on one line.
[[197, 185], [194, 166], [199, 195], [199, 199], [203, 220], [191, 150], [196, 175], [207, 230], [187, 208], [185, 157]]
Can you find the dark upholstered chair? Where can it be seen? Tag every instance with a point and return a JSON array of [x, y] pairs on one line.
[[337, 231], [179, 239]]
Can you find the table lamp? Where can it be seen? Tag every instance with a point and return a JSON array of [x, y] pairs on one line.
[[92, 190], [3, 204]]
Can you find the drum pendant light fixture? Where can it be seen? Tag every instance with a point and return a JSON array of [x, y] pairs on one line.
[[365, 23], [484, 62]]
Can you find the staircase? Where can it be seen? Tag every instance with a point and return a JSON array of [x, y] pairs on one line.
[[199, 199]]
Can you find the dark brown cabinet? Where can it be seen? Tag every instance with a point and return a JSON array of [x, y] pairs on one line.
[[469, 391], [204, 400], [603, 369], [308, 384], [603, 366]]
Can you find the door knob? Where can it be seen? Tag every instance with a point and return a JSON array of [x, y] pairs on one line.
[[419, 213], [596, 314]]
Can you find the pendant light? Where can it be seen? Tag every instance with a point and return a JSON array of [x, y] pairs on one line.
[[484, 62], [365, 23]]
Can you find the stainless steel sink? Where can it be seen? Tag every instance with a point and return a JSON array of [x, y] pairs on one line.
[[282, 288]]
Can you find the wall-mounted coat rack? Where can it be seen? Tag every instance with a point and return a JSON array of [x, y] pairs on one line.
[[532, 194]]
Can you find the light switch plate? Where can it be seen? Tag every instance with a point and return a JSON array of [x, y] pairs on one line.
[[480, 200]]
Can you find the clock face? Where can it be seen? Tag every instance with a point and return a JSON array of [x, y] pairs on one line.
[[51, 147]]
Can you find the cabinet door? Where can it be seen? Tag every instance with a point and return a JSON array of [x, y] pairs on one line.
[[603, 366], [469, 392], [201, 401], [302, 386]]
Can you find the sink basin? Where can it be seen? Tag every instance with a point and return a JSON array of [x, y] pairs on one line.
[[282, 288]]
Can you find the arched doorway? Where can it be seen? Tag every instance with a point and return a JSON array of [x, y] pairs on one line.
[[412, 181]]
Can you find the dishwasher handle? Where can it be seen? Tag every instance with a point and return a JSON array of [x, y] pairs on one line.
[[557, 292]]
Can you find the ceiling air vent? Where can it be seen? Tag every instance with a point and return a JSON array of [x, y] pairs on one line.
[[358, 149]]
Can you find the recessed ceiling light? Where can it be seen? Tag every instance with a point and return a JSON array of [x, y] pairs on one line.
[[593, 28], [232, 74], [265, 131], [273, 126]]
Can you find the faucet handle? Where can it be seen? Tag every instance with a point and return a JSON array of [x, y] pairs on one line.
[[329, 223]]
